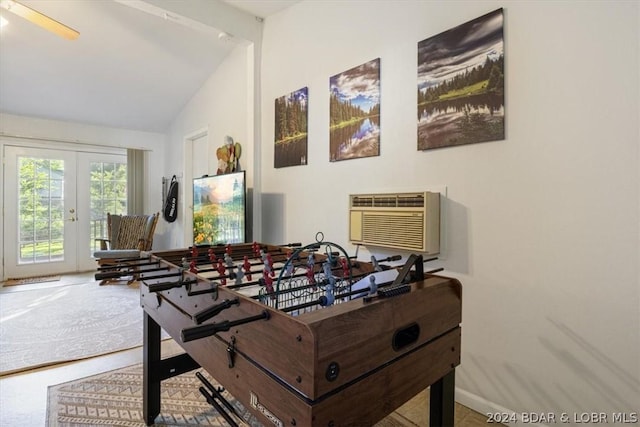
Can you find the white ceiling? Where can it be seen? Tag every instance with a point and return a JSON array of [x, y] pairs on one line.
[[131, 67]]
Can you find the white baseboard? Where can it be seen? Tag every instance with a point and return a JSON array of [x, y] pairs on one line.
[[492, 410]]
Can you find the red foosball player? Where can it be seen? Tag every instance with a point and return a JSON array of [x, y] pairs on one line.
[[256, 249], [268, 283], [345, 267], [221, 270], [310, 276], [311, 262], [212, 254], [228, 249], [247, 267], [194, 252], [193, 267]]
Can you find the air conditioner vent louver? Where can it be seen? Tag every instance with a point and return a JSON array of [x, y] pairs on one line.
[[404, 221]]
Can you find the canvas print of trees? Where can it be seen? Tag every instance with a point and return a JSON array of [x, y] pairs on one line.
[[461, 84], [354, 111], [291, 129]]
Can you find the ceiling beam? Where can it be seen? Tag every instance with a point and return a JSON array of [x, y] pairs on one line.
[[204, 15]]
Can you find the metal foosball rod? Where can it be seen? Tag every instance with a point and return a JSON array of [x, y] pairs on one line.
[[219, 409], [124, 260], [162, 276], [215, 393], [129, 264], [121, 273]]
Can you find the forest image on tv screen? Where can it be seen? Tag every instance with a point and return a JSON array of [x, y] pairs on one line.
[[219, 209]]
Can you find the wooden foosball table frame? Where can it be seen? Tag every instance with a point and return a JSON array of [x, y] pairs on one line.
[[348, 364]]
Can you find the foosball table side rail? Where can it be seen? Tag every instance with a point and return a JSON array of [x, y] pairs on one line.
[[363, 402]]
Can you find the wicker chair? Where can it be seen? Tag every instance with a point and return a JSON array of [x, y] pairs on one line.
[[128, 235]]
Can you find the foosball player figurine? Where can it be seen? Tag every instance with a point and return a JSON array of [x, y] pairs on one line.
[[270, 264], [239, 275], [247, 267], [345, 267], [268, 284], [373, 286], [289, 263], [221, 270], [193, 267], [311, 262], [330, 286], [228, 260]]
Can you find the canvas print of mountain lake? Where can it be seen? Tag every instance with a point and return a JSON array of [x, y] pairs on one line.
[[461, 84], [354, 111], [291, 129]]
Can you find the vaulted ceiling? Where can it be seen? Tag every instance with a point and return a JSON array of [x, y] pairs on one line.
[[135, 64]]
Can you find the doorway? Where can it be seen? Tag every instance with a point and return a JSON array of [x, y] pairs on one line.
[[55, 206], [196, 163]]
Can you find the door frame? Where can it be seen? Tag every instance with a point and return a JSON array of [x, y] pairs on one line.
[[20, 141], [11, 217], [187, 180]]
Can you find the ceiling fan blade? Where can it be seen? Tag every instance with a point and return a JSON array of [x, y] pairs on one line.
[[40, 19]]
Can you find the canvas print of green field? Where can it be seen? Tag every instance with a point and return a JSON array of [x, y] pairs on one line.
[[461, 84], [354, 111], [291, 129]]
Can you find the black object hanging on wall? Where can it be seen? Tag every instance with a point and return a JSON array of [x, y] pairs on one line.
[[170, 209]]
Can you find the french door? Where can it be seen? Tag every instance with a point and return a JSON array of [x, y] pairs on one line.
[[55, 206]]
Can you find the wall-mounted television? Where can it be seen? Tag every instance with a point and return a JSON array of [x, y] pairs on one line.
[[219, 209]]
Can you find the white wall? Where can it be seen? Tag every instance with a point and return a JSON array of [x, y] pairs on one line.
[[69, 134], [221, 107], [542, 228]]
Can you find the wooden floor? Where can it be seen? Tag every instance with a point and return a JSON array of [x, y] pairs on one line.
[[23, 396]]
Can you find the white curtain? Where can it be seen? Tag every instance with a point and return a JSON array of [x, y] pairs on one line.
[[135, 182]]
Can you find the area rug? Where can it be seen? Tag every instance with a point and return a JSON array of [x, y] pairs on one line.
[[48, 326], [115, 399], [30, 280]]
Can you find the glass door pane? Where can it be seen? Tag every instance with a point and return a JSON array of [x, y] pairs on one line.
[[40, 229], [102, 188], [41, 210]]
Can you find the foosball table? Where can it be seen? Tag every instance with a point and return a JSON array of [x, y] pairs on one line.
[[301, 336]]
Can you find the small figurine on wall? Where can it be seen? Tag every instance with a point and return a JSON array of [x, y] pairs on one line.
[[228, 156]]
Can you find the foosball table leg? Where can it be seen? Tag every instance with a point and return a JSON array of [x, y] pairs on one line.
[[151, 381], [442, 401]]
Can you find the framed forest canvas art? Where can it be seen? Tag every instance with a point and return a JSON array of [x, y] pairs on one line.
[[461, 84], [291, 129], [354, 111]]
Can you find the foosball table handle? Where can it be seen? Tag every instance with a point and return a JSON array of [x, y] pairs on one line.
[[203, 331]]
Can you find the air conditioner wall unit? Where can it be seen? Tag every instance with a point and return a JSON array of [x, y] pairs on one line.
[[409, 221]]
